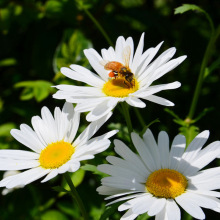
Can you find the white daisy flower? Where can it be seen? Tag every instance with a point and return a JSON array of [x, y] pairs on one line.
[[54, 150], [7, 174], [158, 179], [122, 76]]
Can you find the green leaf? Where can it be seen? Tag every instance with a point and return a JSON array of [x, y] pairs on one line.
[[8, 62], [144, 216], [70, 50], [6, 128], [187, 7], [189, 132], [215, 65], [110, 210], [53, 215], [93, 169], [38, 89]]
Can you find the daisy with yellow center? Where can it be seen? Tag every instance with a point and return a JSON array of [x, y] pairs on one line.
[[160, 178], [122, 76], [54, 150]]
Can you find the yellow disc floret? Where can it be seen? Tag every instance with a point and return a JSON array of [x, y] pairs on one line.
[[166, 183], [119, 87], [56, 154]]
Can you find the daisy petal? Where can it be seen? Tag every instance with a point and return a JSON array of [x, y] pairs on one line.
[[193, 209], [133, 101]]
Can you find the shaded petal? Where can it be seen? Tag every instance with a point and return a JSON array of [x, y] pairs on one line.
[[102, 109], [176, 152], [163, 148], [136, 102]]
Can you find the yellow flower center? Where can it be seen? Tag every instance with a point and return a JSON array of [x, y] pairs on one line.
[[120, 87], [166, 183], [56, 154]]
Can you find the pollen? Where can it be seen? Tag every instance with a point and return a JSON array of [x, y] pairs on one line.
[[119, 87], [166, 183], [56, 154]]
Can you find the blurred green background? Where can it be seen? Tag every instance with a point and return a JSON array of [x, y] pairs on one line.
[[39, 37]]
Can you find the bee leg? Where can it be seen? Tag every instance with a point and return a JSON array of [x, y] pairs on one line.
[[126, 84]]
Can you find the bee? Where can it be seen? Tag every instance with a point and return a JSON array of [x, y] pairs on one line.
[[118, 70]]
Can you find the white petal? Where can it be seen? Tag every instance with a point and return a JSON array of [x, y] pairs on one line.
[[10, 164], [143, 204], [73, 167], [201, 200], [37, 145], [101, 110], [193, 209], [146, 58], [154, 89], [92, 78], [24, 178], [18, 154], [159, 100], [133, 101], [195, 146], [138, 168], [130, 43], [144, 152], [94, 60], [207, 155], [64, 168], [167, 67], [152, 146], [120, 43], [163, 148], [157, 206], [122, 183], [122, 172], [31, 141], [138, 54], [41, 130], [172, 210], [129, 215], [53, 173], [177, 150], [91, 130], [49, 122], [130, 157]]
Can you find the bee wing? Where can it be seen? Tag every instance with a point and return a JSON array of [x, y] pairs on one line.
[[126, 55]]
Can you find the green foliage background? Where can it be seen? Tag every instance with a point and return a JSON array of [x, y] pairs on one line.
[[39, 37]]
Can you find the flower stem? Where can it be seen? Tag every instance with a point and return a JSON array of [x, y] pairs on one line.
[[98, 25], [76, 196], [127, 117], [207, 55], [139, 116]]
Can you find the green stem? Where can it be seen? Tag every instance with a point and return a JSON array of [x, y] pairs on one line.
[[76, 196], [139, 116], [207, 55], [98, 25], [127, 117]]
